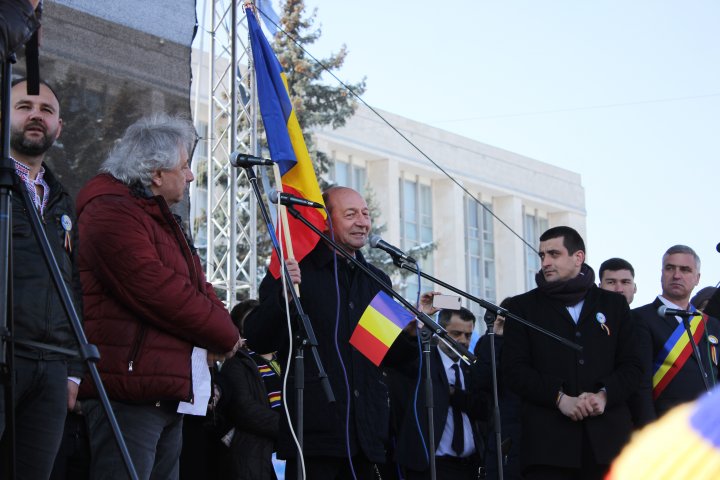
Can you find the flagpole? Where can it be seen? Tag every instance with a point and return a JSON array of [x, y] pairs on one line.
[[282, 212]]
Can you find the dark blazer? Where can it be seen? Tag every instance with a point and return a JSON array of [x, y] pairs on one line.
[[410, 452], [654, 331], [245, 403], [537, 367]]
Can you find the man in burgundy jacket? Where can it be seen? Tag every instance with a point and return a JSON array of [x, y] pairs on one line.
[[145, 298]]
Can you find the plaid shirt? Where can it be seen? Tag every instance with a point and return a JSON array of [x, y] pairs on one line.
[[23, 171]]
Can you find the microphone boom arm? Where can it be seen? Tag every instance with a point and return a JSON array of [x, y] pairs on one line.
[[487, 305]]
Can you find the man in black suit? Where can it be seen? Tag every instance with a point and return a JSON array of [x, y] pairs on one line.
[[670, 379], [575, 418], [456, 408]]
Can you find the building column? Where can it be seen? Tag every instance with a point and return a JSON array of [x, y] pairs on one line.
[[509, 250], [382, 178], [570, 219], [449, 232]]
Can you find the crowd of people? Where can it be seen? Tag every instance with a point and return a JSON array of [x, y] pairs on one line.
[[198, 391]]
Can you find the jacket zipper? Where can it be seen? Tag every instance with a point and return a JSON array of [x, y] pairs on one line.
[[136, 347]]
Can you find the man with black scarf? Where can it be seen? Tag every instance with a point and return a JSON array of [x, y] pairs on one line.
[[575, 418]]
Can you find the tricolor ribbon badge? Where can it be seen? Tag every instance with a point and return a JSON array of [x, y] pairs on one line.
[[713, 348], [67, 226], [600, 317]]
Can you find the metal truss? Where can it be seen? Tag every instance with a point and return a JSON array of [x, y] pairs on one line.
[[228, 222]]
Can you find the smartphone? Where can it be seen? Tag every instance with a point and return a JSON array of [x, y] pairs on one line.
[[447, 302]]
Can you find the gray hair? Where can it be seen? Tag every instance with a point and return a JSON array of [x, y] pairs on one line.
[[683, 249], [148, 145]]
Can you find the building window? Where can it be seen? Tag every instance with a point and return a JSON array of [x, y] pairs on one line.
[[480, 252], [415, 227], [345, 174], [534, 226]]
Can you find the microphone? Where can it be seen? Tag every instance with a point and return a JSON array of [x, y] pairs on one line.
[[246, 160], [289, 200], [376, 241], [664, 311]]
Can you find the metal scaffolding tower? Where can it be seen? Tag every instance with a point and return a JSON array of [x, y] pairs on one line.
[[225, 222]]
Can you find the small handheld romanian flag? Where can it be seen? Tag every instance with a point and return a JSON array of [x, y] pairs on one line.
[[379, 326]]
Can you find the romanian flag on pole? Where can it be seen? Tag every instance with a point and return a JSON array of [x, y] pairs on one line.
[[285, 141], [379, 326]]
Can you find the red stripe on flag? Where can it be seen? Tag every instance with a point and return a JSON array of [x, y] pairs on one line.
[[368, 345]]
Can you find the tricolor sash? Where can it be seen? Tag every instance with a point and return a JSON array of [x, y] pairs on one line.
[[675, 353]]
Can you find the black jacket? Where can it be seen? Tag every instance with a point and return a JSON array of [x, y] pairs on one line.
[[537, 367], [38, 312], [509, 404], [687, 384], [17, 24], [245, 405], [266, 331], [410, 452]]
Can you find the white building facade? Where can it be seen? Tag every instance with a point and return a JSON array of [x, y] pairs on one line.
[[419, 204]]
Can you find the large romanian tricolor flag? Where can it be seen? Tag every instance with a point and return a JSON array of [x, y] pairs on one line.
[[285, 141], [379, 326]]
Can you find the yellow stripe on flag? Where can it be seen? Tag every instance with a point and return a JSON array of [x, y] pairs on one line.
[[379, 326]]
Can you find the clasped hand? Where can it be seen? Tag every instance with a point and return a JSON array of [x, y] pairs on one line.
[[583, 406]]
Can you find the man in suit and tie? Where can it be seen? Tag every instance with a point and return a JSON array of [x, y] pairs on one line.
[[457, 406], [671, 368], [575, 417]]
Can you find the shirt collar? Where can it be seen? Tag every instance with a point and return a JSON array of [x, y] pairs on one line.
[[23, 171]]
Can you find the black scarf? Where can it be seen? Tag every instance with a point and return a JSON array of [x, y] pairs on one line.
[[569, 292]]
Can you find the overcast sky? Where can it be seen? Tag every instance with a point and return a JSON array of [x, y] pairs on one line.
[[625, 93]]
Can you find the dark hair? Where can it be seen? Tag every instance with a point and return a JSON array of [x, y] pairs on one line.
[[42, 82], [683, 249], [241, 311], [572, 240], [614, 264], [445, 315]]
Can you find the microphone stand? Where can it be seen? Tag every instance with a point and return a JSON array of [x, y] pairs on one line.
[[89, 353], [496, 401], [696, 353], [497, 311], [310, 341], [425, 333]]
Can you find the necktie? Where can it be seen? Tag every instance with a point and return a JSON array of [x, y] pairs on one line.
[[458, 439]]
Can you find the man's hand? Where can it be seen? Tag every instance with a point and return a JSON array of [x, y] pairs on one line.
[[213, 357], [576, 408], [34, 3], [426, 303], [411, 328], [597, 402], [499, 325], [294, 270], [72, 389]]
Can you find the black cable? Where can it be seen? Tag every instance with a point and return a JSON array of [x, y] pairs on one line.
[[387, 122]]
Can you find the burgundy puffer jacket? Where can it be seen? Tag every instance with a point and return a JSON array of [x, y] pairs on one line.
[[146, 302]]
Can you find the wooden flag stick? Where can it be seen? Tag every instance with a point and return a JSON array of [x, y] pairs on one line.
[[282, 212]]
